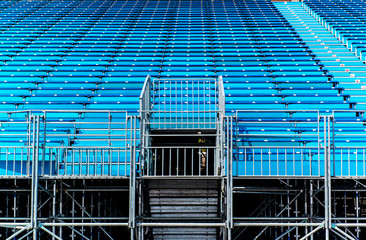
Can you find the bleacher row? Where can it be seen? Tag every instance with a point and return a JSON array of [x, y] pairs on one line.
[[95, 55], [345, 19]]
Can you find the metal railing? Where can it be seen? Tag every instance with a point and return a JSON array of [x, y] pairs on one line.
[[182, 103], [278, 143], [278, 161], [181, 161], [103, 144], [16, 143], [68, 143], [348, 137], [145, 98], [192, 107], [86, 161]]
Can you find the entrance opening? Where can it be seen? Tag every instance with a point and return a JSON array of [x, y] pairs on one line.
[[183, 153]]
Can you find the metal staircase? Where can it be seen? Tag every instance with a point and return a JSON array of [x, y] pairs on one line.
[[183, 161], [182, 127]]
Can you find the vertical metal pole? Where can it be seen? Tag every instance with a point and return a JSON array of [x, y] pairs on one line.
[[140, 210], [60, 205], [306, 204], [311, 206], [31, 160], [15, 199], [329, 129], [91, 210], [132, 211], [73, 213], [54, 208], [29, 139], [326, 203], [357, 213], [229, 209], [327, 183], [35, 157], [98, 213], [281, 212], [297, 215], [288, 209], [333, 146], [83, 205]]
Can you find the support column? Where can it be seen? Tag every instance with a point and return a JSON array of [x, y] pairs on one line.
[[54, 207], [132, 187], [327, 177], [229, 180], [34, 190]]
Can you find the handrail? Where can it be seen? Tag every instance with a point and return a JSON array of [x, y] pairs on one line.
[[221, 96], [147, 81]]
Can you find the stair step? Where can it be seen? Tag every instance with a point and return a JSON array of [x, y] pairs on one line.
[[180, 192], [182, 201], [186, 200]]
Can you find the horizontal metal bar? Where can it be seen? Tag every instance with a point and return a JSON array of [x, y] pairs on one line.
[[184, 111], [86, 123], [4, 147], [251, 189], [13, 224], [287, 111], [157, 219], [180, 147], [271, 147], [345, 134], [349, 218], [359, 147], [356, 123], [86, 147], [349, 224], [270, 218], [79, 224], [85, 135], [251, 224], [77, 111], [182, 135], [284, 122], [182, 177], [309, 177], [15, 134], [184, 79], [64, 218], [189, 123], [181, 224], [274, 134], [71, 177]]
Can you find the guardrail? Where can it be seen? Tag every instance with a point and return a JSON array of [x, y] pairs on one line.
[[278, 143], [103, 143], [181, 161], [68, 143], [182, 103], [172, 107], [348, 156]]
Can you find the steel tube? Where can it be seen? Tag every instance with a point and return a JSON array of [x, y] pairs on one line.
[[251, 224], [79, 224], [181, 224]]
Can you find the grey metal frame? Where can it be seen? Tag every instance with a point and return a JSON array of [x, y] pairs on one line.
[[44, 161], [130, 134]]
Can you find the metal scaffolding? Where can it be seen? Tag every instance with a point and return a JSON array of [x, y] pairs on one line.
[[182, 168]]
